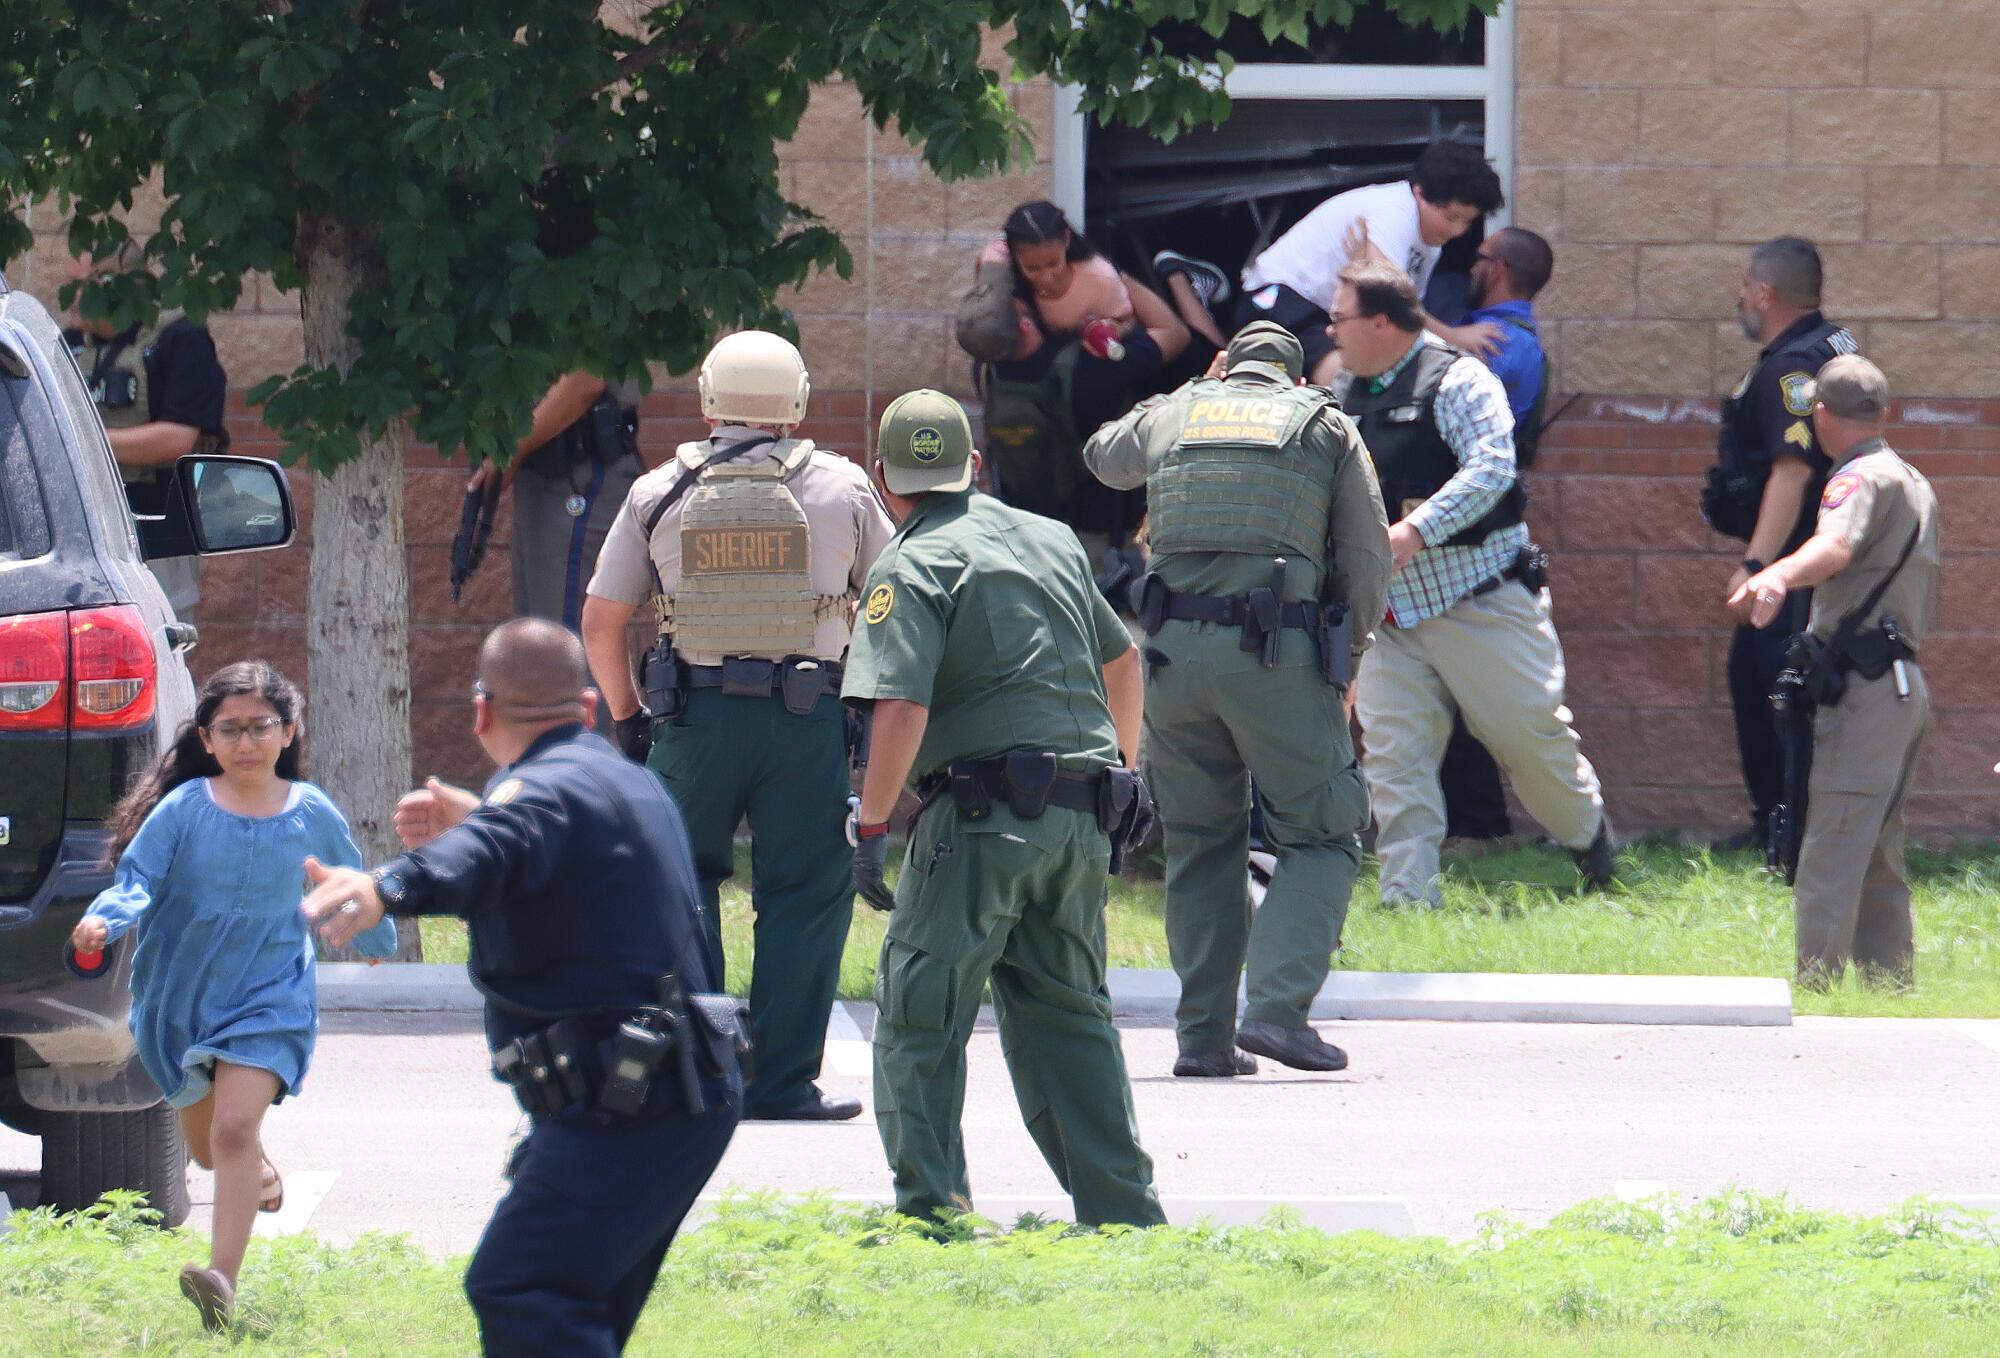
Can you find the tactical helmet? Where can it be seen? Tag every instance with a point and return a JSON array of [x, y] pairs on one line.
[[754, 377]]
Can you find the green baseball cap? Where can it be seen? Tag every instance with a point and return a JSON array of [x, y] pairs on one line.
[[925, 444], [1270, 348]]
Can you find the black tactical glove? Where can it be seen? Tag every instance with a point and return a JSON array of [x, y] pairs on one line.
[[871, 857], [1144, 816], [634, 735]]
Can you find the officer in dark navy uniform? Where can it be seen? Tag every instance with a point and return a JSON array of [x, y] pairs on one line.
[[1765, 487], [574, 873]]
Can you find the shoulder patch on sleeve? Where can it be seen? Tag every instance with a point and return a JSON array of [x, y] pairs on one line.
[[506, 792], [1800, 436], [1796, 388], [1839, 489], [880, 600]]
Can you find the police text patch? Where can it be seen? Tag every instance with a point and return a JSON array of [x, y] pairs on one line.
[[880, 600], [772, 549], [1797, 388], [1236, 419]]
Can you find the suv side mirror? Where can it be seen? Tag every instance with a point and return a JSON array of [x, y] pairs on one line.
[[217, 504]]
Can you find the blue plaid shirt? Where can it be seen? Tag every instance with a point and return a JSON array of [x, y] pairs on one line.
[[1473, 416]]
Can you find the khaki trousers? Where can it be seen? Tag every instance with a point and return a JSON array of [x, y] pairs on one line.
[[1851, 898], [1494, 659]]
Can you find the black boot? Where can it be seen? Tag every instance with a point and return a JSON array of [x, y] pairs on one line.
[[1299, 1048], [815, 1107], [1596, 864], [1214, 1065]]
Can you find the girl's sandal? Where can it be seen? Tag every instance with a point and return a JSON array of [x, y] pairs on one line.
[[211, 1294], [271, 1196]]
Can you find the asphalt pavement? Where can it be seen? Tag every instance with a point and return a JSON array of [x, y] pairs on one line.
[[398, 1127]]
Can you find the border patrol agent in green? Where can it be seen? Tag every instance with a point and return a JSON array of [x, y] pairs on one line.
[[753, 546], [1270, 562], [993, 668]]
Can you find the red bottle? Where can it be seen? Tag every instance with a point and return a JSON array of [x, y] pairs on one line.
[[1100, 339]]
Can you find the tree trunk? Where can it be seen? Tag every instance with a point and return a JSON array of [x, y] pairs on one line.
[[358, 596]]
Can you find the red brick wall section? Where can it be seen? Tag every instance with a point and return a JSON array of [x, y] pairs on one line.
[[1638, 585]]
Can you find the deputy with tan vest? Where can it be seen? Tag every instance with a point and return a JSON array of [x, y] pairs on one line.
[[753, 546], [160, 390], [1873, 558]]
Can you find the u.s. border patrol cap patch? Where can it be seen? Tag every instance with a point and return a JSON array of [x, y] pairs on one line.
[[926, 444], [880, 600], [506, 792], [1797, 388]]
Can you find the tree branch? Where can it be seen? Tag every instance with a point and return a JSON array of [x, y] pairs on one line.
[[671, 45]]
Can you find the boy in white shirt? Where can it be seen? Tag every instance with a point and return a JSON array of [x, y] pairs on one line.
[[1406, 223]]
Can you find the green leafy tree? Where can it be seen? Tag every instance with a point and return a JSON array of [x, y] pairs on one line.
[[471, 197]]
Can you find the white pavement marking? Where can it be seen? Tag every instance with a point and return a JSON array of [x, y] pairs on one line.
[[1386, 1216], [305, 1190], [1727, 1001], [1986, 1032], [847, 1051], [1637, 1190]]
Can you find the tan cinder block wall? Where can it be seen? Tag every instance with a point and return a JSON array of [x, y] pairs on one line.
[[1658, 139]]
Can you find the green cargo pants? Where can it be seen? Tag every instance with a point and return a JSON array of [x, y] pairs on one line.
[[1019, 903], [1215, 719], [728, 757]]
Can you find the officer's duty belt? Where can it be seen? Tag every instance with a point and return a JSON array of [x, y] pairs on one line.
[[1029, 782], [1530, 567], [800, 680], [1231, 610]]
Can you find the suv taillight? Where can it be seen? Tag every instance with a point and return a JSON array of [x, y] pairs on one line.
[[34, 672], [88, 670], [112, 668]]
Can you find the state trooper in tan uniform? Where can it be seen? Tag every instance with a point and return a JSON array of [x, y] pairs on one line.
[[1873, 558], [753, 547]]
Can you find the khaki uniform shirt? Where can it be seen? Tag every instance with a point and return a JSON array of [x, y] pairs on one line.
[[1872, 502], [1123, 453], [988, 616], [845, 523]]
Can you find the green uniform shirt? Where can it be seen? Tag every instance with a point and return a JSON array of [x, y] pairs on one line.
[[988, 616]]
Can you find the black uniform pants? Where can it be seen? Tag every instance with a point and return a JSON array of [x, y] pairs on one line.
[[571, 1253], [1756, 654]]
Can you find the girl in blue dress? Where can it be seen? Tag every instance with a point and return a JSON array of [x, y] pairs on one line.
[[211, 847]]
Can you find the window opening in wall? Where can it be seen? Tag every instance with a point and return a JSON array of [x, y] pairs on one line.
[[1354, 107]]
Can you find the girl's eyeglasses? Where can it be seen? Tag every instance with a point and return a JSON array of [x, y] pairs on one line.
[[260, 730]]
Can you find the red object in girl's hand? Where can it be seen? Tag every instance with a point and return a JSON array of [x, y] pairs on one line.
[[86, 963], [1100, 338]]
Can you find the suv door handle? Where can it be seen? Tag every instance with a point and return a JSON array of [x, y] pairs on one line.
[[181, 636]]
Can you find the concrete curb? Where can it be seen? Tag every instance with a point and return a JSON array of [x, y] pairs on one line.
[[1729, 1001], [1332, 1215]]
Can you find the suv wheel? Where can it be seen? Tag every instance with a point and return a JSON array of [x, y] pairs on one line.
[[84, 1155]]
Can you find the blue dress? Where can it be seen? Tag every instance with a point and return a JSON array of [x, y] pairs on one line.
[[224, 966]]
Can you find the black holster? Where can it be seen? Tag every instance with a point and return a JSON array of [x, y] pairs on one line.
[[1117, 809], [1333, 634], [548, 1070], [1262, 609], [1029, 776], [664, 678], [1793, 703]]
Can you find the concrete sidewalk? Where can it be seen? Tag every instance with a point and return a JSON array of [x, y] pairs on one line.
[[1729, 1001]]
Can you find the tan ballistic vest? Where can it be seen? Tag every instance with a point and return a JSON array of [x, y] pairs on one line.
[[746, 557], [131, 358]]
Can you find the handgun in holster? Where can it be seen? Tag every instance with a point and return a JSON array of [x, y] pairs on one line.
[[664, 679], [614, 429], [1263, 609], [673, 1007], [1117, 804], [860, 733]]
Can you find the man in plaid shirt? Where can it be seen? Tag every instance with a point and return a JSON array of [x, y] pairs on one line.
[[1467, 628]]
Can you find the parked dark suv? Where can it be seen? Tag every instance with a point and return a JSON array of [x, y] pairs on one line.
[[91, 686]]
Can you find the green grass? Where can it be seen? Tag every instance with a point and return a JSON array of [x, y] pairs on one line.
[[1678, 910], [1735, 1276]]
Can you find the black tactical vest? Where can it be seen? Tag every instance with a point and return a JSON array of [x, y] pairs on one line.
[[1743, 463], [1412, 460]]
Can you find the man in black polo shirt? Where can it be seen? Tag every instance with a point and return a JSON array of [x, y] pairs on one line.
[[160, 390], [1764, 489]]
